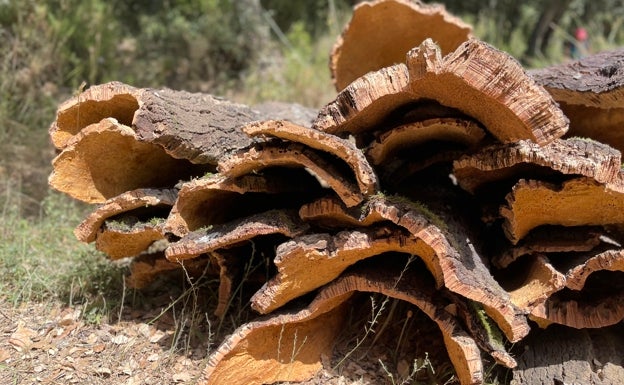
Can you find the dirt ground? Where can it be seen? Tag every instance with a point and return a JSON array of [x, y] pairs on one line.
[[155, 342]]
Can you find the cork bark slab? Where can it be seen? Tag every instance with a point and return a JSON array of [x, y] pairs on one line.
[[105, 160], [127, 237], [330, 212], [551, 239], [577, 202], [269, 155], [217, 199], [526, 159], [389, 143], [328, 256], [560, 355], [146, 268], [230, 234], [532, 283], [590, 92], [484, 83], [126, 202], [463, 270], [111, 100], [381, 32], [232, 357], [341, 148], [610, 260]]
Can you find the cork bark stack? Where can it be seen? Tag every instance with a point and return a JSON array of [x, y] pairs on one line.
[[443, 175]]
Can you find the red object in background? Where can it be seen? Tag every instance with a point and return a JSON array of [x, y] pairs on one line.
[[581, 34]]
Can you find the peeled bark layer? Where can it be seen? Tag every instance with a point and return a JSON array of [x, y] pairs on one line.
[[495, 91], [146, 268], [269, 155], [111, 100], [463, 132], [126, 202], [105, 160], [527, 159], [577, 202], [127, 237], [551, 239], [590, 92], [328, 256], [233, 233], [233, 357], [341, 148], [216, 199], [362, 48], [462, 268]]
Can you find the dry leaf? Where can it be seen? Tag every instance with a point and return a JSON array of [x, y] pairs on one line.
[[99, 348], [153, 357], [4, 355], [104, 371], [120, 339], [182, 377], [21, 339]]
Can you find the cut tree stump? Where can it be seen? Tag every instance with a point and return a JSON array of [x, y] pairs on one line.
[[495, 90], [560, 355], [369, 42], [590, 92]]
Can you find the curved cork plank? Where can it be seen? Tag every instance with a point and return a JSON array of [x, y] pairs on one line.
[[232, 233], [577, 202], [532, 283], [341, 148], [463, 270], [560, 355], [551, 239], [362, 47], [127, 236], [292, 112], [590, 93], [330, 212], [146, 268], [493, 86], [524, 159], [328, 256], [268, 155], [216, 199], [590, 312], [281, 347], [610, 260], [111, 100], [386, 145], [153, 199], [105, 160], [239, 358]]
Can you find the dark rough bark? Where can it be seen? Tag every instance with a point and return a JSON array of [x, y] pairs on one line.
[[590, 92], [560, 355], [197, 127]]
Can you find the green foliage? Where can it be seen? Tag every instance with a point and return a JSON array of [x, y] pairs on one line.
[[40, 259]]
